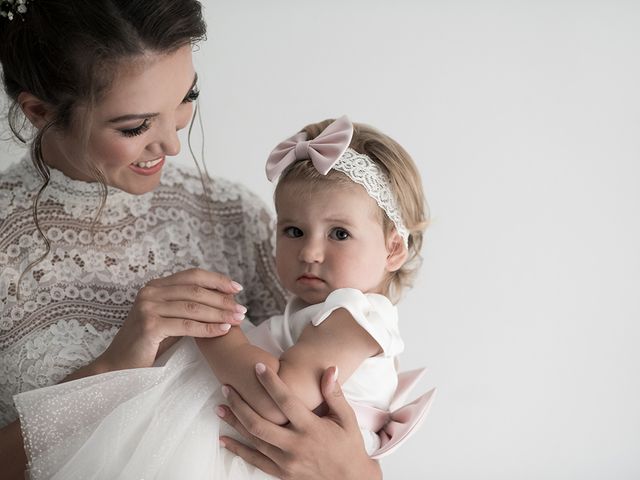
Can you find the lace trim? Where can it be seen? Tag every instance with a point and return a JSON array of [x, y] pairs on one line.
[[362, 170]]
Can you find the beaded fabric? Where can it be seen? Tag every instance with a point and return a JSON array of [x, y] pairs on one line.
[[10, 8], [73, 302]]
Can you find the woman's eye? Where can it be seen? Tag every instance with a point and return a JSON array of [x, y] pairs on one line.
[[192, 96], [134, 132], [339, 234], [293, 232]]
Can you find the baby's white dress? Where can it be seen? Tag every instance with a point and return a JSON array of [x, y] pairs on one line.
[[160, 422]]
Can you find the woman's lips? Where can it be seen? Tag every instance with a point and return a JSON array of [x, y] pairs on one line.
[[150, 167]]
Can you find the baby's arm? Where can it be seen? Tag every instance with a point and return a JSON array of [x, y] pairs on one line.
[[339, 340]]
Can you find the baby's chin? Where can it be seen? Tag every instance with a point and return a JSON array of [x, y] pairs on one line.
[[311, 296], [312, 299]]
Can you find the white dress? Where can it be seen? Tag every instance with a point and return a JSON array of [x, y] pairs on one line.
[[159, 422], [73, 302]]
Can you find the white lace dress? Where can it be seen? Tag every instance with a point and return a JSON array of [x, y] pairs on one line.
[[73, 302]]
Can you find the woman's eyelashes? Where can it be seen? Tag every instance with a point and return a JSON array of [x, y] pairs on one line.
[[139, 130], [192, 96]]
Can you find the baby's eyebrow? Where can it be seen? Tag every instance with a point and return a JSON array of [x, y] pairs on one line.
[[337, 220]]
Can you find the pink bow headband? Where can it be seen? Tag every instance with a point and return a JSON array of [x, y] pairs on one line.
[[330, 150]]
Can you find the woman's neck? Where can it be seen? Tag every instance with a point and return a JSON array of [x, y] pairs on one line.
[[56, 157]]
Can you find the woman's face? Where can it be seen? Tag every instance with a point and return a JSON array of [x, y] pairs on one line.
[[134, 127]]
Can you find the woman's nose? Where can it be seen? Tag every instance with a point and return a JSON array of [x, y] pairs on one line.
[[170, 142]]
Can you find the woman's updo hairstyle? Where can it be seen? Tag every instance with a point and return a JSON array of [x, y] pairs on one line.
[[65, 52]]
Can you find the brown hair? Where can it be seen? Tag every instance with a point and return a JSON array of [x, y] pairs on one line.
[[406, 185], [66, 53]]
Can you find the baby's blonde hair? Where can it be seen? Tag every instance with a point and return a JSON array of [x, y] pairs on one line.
[[405, 183]]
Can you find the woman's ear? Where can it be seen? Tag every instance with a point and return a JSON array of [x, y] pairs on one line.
[[396, 252], [37, 111]]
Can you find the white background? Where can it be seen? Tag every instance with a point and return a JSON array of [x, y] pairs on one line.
[[523, 117]]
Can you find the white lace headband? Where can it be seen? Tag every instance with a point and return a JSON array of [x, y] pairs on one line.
[[330, 150]]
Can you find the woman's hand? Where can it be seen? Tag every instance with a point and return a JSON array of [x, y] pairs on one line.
[[308, 447], [194, 303]]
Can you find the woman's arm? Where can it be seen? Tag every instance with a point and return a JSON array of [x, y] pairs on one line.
[[189, 303], [12, 456], [339, 340], [308, 446]]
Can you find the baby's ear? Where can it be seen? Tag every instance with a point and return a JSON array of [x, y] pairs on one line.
[[37, 111], [396, 252]]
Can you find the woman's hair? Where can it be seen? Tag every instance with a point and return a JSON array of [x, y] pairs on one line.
[[406, 185], [67, 53]]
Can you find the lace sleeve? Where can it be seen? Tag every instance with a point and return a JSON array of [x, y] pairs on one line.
[[263, 294]]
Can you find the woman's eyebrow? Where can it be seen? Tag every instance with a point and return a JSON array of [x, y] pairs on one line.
[[133, 116], [143, 116]]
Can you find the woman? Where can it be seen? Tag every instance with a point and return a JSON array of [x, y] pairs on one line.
[[108, 252]]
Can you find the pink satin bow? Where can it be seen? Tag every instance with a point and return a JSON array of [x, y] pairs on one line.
[[395, 426], [323, 151]]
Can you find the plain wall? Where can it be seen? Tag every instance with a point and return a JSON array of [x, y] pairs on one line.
[[523, 118]]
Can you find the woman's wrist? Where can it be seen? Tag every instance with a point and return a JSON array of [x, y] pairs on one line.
[[375, 471], [367, 468], [98, 366]]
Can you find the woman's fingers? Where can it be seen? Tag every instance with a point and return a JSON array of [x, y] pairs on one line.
[[194, 303], [196, 311], [267, 437], [297, 413], [227, 416], [251, 456], [189, 301], [192, 293], [201, 278], [327, 447], [180, 327], [339, 408]]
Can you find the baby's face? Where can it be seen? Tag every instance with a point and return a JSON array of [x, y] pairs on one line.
[[329, 238]]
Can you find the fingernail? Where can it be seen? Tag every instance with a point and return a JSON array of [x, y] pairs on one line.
[[238, 316], [220, 412], [225, 391], [334, 377], [236, 286], [222, 444], [225, 327], [260, 368], [241, 309]]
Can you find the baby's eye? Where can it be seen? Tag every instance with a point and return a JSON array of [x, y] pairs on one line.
[[292, 232], [339, 234]]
